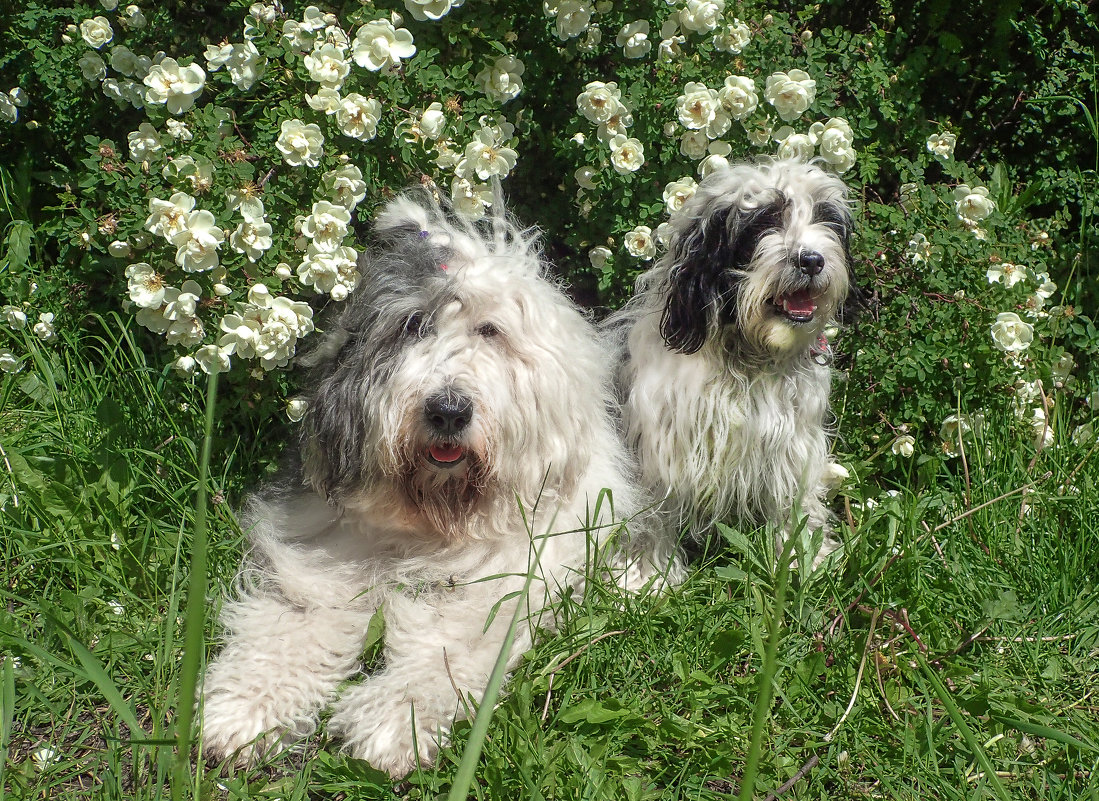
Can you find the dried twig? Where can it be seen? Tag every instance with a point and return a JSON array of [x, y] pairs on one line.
[[858, 679], [797, 777]]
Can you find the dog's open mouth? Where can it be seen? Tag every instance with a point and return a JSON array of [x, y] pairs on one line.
[[798, 307], [445, 454]]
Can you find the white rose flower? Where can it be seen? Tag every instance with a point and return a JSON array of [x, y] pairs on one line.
[[335, 272], [572, 19], [245, 65], [9, 362], [618, 123], [14, 317], [941, 146], [44, 329], [328, 66], [326, 226], [212, 359], [168, 218], [174, 86], [469, 198], [598, 256], [133, 18], [358, 117], [738, 96], [670, 48], [627, 154], [599, 101], [972, 204], [96, 32], [267, 328], [300, 144], [197, 245], [790, 93], [92, 67], [701, 16], [800, 147], [297, 37], [486, 157], [1011, 334], [251, 238], [502, 81], [678, 192], [1005, 273], [1042, 428], [8, 110], [904, 446], [836, 141], [919, 249], [326, 99], [146, 287], [432, 122], [634, 39], [145, 144], [639, 242], [699, 108], [584, 177], [296, 408], [247, 202], [732, 37], [184, 365], [345, 186], [123, 60], [422, 10], [378, 45], [694, 145], [177, 129]]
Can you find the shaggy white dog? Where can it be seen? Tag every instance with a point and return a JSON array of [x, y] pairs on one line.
[[724, 369], [459, 435]]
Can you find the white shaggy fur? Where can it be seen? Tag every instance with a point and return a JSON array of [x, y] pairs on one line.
[[460, 422], [723, 367]]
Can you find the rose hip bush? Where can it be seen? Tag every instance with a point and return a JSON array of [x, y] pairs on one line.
[[230, 164]]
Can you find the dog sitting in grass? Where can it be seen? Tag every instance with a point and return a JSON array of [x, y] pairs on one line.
[[724, 368]]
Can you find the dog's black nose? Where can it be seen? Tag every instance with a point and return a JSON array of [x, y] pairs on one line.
[[810, 262], [448, 413]]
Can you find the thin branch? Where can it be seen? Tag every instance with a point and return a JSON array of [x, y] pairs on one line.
[[797, 777]]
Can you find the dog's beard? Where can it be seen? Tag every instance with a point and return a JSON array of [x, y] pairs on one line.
[[445, 483]]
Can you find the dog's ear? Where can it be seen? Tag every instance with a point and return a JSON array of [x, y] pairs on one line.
[[709, 259], [332, 438]]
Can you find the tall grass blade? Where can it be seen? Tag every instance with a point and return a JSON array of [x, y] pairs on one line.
[[7, 714], [967, 733], [463, 779], [194, 627], [767, 673]]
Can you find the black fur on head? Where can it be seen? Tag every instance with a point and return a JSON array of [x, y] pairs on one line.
[[709, 259]]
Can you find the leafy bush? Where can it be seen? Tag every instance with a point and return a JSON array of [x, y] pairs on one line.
[[230, 155]]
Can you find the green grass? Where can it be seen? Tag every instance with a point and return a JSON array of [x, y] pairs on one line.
[[953, 655]]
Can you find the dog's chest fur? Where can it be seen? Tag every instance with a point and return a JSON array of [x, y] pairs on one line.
[[723, 443]]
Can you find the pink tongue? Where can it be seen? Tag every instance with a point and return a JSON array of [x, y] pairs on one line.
[[445, 453], [800, 302]]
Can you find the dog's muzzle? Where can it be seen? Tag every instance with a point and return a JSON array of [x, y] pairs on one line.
[[447, 415]]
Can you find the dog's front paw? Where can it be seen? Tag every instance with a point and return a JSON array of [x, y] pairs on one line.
[[389, 727], [245, 726]]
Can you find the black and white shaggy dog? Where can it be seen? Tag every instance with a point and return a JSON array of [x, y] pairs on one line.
[[460, 434], [724, 370]]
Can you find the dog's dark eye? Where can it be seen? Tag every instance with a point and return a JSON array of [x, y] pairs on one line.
[[487, 330], [414, 325]]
